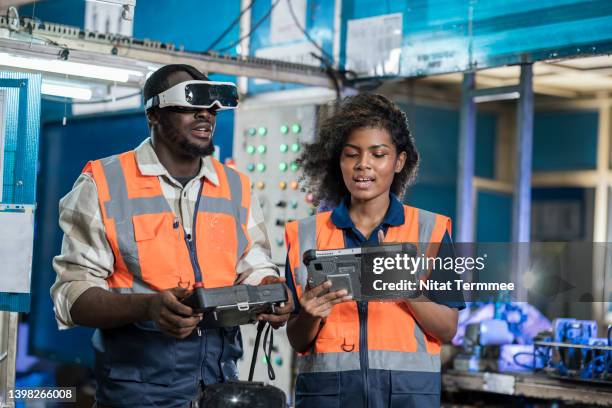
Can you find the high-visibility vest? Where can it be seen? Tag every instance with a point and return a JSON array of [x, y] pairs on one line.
[[394, 339], [150, 249]]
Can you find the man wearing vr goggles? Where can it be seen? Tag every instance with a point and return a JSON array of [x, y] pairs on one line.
[[141, 229]]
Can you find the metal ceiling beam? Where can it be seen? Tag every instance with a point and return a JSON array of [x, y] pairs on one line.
[[59, 41]]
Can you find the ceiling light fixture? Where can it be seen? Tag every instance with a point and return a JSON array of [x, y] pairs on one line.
[[69, 68], [65, 90]]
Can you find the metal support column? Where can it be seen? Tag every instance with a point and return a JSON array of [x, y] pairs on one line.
[[521, 212], [8, 355], [521, 209], [466, 162]]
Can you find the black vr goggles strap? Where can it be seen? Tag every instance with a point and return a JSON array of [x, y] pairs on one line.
[[154, 101]]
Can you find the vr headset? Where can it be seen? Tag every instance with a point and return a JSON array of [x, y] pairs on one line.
[[197, 95]]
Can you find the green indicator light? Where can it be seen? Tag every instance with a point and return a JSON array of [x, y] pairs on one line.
[[284, 129], [251, 167], [284, 147], [251, 131], [296, 128], [261, 167], [261, 149], [262, 131], [295, 147], [283, 166], [250, 149], [294, 166], [294, 204]]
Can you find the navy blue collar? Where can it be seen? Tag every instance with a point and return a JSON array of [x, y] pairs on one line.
[[394, 216]]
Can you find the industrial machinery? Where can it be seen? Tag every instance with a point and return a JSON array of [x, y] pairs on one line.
[[575, 352], [496, 344]]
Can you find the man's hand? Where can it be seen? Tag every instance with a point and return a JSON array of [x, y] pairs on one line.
[[281, 314], [171, 316]]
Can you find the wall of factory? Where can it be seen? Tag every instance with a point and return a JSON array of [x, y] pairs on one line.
[[565, 140], [436, 134], [67, 12]]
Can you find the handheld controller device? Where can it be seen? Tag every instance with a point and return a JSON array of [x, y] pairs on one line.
[[345, 267], [235, 305]]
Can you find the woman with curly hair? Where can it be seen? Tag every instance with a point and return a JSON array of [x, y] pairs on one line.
[[364, 354]]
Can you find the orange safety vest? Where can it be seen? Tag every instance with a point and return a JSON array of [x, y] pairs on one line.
[[150, 249], [394, 339]]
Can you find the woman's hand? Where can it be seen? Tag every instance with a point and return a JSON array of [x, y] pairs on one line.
[[316, 303]]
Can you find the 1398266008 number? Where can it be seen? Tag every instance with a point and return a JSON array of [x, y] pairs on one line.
[[63, 394]]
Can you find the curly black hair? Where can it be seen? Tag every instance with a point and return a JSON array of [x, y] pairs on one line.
[[320, 161]]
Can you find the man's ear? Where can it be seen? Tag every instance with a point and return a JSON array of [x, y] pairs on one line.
[[152, 116]]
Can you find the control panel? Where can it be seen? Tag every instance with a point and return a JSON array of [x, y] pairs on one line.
[[267, 142]]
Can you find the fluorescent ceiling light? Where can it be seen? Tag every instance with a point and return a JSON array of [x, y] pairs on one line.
[[65, 90], [69, 68], [497, 97]]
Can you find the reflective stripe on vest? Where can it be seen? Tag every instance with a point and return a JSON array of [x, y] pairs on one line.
[[403, 348], [377, 360], [230, 207], [138, 220]]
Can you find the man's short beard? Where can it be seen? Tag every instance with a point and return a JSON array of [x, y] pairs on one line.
[[193, 149], [173, 137]]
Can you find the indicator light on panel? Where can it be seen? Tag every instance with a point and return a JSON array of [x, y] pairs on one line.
[[284, 147], [309, 198], [284, 129], [295, 147], [251, 131], [282, 185], [262, 149], [283, 166], [293, 203], [294, 166], [251, 167], [294, 185], [296, 128], [260, 185], [262, 131], [250, 149], [261, 167]]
